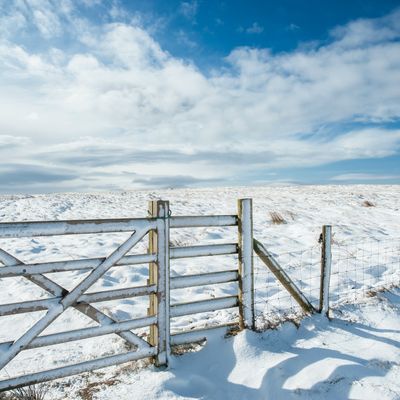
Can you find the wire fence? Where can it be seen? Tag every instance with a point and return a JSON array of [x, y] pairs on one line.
[[273, 304], [360, 268]]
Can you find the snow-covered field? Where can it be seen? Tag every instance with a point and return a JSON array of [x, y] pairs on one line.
[[356, 353]]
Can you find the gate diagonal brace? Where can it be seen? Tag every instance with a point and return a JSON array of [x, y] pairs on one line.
[[87, 309], [70, 298], [267, 258]]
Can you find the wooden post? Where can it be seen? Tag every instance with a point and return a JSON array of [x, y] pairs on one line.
[[326, 261], [246, 268], [159, 275]]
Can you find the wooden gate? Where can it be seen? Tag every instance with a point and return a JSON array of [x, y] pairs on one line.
[[157, 227]]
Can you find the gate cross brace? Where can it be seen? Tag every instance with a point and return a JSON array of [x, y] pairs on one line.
[[70, 297]]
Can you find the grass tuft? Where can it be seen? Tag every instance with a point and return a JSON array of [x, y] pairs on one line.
[[33, 392], [276, 218], [367, 203]]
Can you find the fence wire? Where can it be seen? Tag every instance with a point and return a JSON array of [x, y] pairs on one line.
[[360, 268], [363, 267], [273, 304]]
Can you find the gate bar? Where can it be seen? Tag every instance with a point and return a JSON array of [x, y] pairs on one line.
[[91, 263], [194, 307], [73, 227], [95, 297], [71, 265], [85, 333], [75, 369], [185, 281], [203, 251], [198, 221]]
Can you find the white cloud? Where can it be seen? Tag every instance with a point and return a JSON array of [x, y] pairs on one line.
[[293, 27], [117, 87], [364, 32], [47, 23], [10, 141], [183, 38], [255, 28], [189, 9]]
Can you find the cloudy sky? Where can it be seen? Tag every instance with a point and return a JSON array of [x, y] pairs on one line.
[[107, 95]]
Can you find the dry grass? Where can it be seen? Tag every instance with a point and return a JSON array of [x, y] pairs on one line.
[[91, 389], [34, 392], [180, 349], [367, 203], [376, 291], [276, 218], [264, 323]]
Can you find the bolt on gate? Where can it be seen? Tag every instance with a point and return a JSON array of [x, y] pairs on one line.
[[157, 227]]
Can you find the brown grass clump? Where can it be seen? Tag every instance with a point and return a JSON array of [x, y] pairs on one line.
[[276, 218], [38, 392], [180, 349], [91, 389], [367, 203]]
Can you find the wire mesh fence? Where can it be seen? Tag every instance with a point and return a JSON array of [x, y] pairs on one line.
[[360, 268], [273, 304]]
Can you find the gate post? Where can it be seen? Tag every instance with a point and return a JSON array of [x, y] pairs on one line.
[[246, 268], [159, 275], [326, 261]]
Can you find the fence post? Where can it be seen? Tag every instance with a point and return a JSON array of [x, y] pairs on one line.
[[246, 268], [326, 262], [159, 275]]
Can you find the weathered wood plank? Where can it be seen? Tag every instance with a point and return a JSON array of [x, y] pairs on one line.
[[153, 275], [326, 261], [246, 267], [163, 288]]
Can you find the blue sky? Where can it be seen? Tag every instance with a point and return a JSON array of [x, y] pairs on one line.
[[115, 95]]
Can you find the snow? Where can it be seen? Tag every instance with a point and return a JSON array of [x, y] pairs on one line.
[[352, 356], [349, 357]]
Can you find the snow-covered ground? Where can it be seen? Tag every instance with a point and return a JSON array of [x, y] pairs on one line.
[[354, 356], [356, 353]]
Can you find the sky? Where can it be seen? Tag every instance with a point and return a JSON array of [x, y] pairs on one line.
[[120, 95]]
